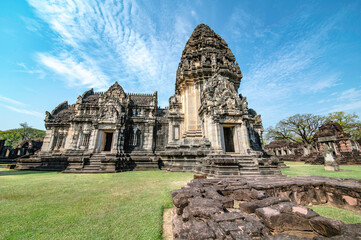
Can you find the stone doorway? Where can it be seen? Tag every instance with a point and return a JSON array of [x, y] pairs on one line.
[[228, 139], [108, 141]]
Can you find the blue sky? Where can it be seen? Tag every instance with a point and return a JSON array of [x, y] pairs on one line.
[[295, 56]]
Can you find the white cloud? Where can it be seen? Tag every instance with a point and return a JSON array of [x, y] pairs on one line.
[[19, 106], [22, 111], [10, 101], [25, 69], [103, 42], [31, 24], [287, 71], [347, 100], [75, 72]]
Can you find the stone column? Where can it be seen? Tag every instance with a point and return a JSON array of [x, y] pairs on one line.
[[69, 138], [93, 139], [244, 139], [48, 141], [216, 135], [115, 141], [236, 139], [99, 141]]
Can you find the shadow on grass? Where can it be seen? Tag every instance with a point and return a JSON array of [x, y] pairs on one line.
[[14, 172]]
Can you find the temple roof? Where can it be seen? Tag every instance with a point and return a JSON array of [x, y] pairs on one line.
[[331, 129], [206, 54]]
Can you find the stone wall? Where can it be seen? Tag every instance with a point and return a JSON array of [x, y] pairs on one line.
[[263, 208]]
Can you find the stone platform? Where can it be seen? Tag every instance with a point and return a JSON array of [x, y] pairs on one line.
[[264, 208]]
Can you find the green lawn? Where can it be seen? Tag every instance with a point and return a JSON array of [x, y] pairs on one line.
[[128, 205], [337, 213], [52, 205], [347, 171], [301, 169]]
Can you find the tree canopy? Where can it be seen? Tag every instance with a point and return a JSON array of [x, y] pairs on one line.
[[300, 128], [14, 137], [349, 122], [296, 128]]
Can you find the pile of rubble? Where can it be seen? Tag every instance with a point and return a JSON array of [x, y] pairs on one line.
[[263, 208]]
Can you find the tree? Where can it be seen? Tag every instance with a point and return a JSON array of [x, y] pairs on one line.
[[26, 128], [297, 128], [14, 137], [349, 122]]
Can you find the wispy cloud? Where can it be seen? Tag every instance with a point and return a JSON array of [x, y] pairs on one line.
[[347, 100], [10, 101], [101, 42], [294, 70], [31, 24], [75, 72], [25, 69], [17, 106], [22, 111]]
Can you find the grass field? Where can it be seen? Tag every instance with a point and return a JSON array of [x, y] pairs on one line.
[[350, 171], [337, 213], [301, 169], [128, 205], [51, 205]]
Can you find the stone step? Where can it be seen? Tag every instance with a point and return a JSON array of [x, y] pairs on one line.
[[91, 168]]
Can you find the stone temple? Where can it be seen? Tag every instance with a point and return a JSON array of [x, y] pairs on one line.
[[207, 128]]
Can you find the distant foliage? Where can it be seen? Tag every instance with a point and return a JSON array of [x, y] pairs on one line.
[[16, 136], [302, 127], [350, 123], [297, 128]]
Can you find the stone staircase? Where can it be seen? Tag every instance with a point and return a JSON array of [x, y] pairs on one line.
[[93, 165], [230, 166], [143, 162]]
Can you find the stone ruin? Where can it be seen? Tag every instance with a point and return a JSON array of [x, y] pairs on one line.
[[25, 149], [329, 136], [207, 128], [264, 208]]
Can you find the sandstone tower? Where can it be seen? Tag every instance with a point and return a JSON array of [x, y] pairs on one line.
[[207, 129]]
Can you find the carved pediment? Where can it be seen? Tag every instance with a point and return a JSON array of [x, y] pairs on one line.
[[109, 112], [115, 91], [220, 96]]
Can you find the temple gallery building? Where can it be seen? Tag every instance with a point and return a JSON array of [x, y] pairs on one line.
[[207, 128]]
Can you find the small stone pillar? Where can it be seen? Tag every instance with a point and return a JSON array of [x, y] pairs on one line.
[[330, 163]]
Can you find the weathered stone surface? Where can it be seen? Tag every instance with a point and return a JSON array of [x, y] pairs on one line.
[[286, 216], [326, 227], [229, 217], [248, 194], [273, 217], [200, 230], [202, 207], [250, 207]]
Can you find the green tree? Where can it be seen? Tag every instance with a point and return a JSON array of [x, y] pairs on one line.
[[349, 122], [297, 128], [25, 127], [15, 136]]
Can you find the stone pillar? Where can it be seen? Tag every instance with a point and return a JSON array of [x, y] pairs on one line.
[[80, 138], [244, 145], [148, 137], [99, 141], [114, 146], [69, 138], [236, 139], [48, 141], [93, 139], [216, 134]]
